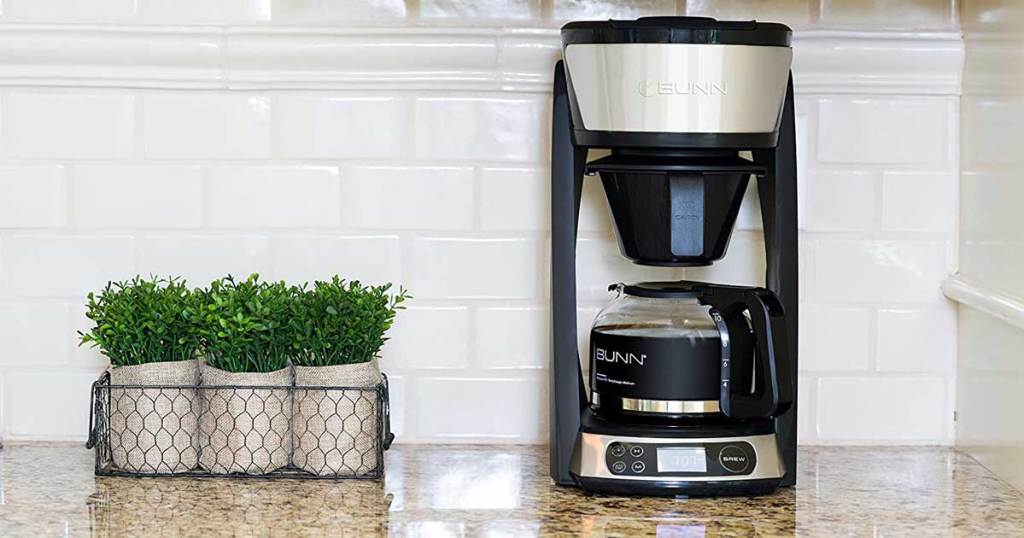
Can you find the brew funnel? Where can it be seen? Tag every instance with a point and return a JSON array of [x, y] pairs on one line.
[[674, 209]]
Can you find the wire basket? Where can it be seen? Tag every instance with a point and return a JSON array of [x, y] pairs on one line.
[[239, 431]]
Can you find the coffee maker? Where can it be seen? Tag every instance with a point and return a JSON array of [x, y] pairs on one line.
[[692, 384]]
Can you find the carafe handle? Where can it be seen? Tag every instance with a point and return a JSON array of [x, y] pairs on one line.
[[772, 370]]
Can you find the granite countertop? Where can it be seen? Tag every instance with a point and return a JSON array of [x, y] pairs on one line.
[[505, 491]]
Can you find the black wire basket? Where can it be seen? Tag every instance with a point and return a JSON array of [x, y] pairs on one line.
[[199, 430]]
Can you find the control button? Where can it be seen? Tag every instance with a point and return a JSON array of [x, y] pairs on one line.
[[638, 466], [636, 451], [619, 467], [734, 459], [618, 450]]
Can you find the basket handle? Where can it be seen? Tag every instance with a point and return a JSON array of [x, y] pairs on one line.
[[90, 441], [389, 437]]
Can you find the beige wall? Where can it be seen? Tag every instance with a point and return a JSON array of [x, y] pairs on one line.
[[990, 283]]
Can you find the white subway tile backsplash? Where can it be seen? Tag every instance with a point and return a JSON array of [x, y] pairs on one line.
[[876, 131], [432, 198], [879, 271], [447, 193], [512, 337], [919, 201], [872, 409], [473, 268], [137, 196], [71, 10], [201, 258], [806, 430], [32, 196], [743, 264], [70, 125], [334, 11], [477, 128], [66, 265], [480, 9], [749, 217], [398, 401], [83, 357], [34, 334], [923, 13], [611, 9], [841, 201], [430, 337], [204, 11], [466, 409], [917, 340], [835, 338], [332, 127], [791, 12], [599, 265], [515, 199], [595, 216], [369, 259], [62, 395], [227, 126], [274, 197]]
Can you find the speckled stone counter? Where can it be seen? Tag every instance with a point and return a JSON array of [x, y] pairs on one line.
[[505, 491]]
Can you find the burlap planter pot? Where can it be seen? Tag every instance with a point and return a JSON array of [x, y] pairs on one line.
[[335, 431], [153, 430], [244, 430]]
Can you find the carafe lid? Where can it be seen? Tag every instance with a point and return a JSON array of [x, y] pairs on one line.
[[679, 289], [692, 30]]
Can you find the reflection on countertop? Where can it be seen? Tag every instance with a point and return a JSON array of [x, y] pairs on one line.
[[504, 491]]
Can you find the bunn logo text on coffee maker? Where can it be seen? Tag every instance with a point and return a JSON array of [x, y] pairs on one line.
[[626, 357], [651, 88]]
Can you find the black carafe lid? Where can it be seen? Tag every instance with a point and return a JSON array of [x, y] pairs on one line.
[[679, 289], [693, 30]]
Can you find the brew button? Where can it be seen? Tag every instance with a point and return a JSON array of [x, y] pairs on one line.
[[619, 467], [734, 459], [636, 451], [618, 450], [638, 466]]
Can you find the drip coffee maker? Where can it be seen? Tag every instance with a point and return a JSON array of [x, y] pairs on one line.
[[692, 384]]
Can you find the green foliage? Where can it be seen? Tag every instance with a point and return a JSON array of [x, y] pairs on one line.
[[250, 326], [345, 322], [142, 321], [242, 326]]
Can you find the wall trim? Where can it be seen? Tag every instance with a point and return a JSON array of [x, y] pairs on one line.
[[416, 58], [984, 298]]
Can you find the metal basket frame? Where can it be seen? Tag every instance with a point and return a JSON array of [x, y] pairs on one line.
[[100, 411]]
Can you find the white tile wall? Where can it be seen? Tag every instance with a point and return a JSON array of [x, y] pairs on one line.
[[326, 127], [274, 197], [434, 198], [34, 196], [445, 192], [221, 126], [137, 197], [84, 125]]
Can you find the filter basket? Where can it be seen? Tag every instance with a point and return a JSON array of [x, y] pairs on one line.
[[674, 211]]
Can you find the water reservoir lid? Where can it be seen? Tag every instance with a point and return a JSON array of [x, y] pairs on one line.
[[693, 30]]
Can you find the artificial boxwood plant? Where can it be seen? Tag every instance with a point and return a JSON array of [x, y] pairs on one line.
[[344, 322], [143, 321], [250, 325]]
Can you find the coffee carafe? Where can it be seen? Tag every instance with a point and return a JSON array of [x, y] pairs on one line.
[[692, 384], [674, 349]]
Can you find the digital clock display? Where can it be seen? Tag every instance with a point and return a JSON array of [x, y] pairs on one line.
[[682, 460]]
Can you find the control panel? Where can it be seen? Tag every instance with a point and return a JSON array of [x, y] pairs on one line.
[[681, 459]]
